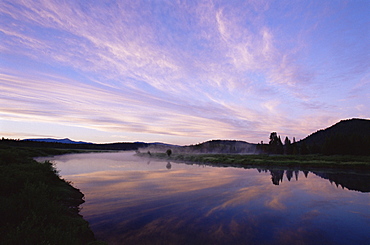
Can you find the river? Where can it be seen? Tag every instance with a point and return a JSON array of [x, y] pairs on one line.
[[135, 200]]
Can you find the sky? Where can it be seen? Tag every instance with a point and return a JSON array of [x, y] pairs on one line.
[[181, 72]]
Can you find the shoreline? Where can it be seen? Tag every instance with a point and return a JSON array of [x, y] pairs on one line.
[[37, 206], [351, 164]]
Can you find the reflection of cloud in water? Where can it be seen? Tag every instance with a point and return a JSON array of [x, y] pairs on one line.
[[190, 204], [301, 235], [155, 202], [237, 198], [132, 188], [276, 203], [311, 214]]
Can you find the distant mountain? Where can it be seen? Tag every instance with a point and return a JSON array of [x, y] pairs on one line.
[[64, 141], [159, 147], [220, 146], [350, 137], [162, 144], [70, 144], [212, 146]]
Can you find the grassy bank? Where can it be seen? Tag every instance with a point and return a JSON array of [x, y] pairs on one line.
[[294, 161], [36, 205]]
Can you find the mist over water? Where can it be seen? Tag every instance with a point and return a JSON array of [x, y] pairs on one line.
[[135, 200]]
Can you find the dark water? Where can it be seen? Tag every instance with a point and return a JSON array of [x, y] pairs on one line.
[[131, 200]]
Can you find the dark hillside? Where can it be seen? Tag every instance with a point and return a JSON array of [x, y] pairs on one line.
[[122, 146], [347, 137], [221, 146], [64, 141]]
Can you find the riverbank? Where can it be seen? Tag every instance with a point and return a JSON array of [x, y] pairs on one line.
[[353, 163], [36, 205]]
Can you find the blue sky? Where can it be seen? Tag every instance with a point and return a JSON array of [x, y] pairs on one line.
[[181, 72]]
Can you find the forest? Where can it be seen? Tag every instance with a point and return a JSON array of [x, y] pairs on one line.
[[348, 137]]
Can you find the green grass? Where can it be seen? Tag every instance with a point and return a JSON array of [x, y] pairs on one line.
[[296, 161], [36, 205]]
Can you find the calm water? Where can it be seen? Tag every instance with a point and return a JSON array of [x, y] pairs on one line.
[[133, 200]]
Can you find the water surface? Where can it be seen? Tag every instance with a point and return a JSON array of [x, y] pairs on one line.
[[133, 200]]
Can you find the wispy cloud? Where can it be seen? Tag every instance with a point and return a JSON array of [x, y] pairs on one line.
[[176, 68]]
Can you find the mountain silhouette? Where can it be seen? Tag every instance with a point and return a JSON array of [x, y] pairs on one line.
[[347, 137], [221, 146], [64, 141]]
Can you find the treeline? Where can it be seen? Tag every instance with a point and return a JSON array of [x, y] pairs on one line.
[[219, 146], [276, 146], [347, 137], [334, 144], [40, 144]]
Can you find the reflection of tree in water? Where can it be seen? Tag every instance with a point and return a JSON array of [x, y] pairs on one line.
[[168, 166], [277, 176], [296, 173], [305, 173], [289, 174], [358, 182]]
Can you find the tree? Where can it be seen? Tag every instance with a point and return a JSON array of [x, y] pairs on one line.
[[169, 152], [280, 147], [288, 146], [294, 147], [275, 144], [273, 138]]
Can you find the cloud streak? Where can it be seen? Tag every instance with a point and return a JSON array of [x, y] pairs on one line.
[[176, 68]]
